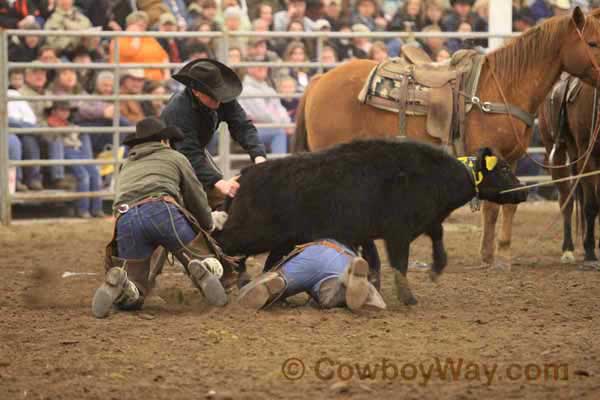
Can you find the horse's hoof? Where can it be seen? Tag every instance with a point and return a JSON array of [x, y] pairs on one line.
[[403, 292], [567, 257], [434, 276]]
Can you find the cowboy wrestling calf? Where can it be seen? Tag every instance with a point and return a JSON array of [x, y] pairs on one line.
[[328, 271], [156, 183]]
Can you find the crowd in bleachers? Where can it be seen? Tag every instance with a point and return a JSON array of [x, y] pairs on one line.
[[204, 16]]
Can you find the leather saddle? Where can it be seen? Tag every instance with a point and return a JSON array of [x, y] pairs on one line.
[[414, 85]]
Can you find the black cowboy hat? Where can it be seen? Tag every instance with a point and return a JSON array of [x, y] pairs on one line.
[[60, 104], [152, 129], [211, 78]]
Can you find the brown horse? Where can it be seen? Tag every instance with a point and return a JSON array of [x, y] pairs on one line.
[[568, 123], [526, 69]]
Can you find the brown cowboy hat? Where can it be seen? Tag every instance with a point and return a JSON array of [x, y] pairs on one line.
[[152, 129], [63, 104], [211, 78]]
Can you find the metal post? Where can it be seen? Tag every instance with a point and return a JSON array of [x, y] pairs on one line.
[[225, 150], [320, 53], [500, 21], [5, 197], [116, 115]]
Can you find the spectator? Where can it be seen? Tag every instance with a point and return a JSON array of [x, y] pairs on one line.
[[442, 55], [77, 147], [27, 47], [178, 8], [333, 13], [433, 45], [265, 14], [153, 108], [540, 10], [174, 47], [155, 8], [235, 57], [198, 50], [257, 50], [367, 13], [48, 55], [20, 115], [260, 25], [206, 42], [409, 18], [94, 46], [522, 19], [457, 44], [265, 110], [462, 12], [561, 7], [16, 79], [232, 22], [360, 45], [286, 85], [208, 11], [296, 26], [328, 56], [68, 18], [17, 14], [132, 82], [296, 53], [141, 49], [98, 11], [434, 11], [245, 24], [378, 52], [482, 9], [296, 10], [100, 112], [314, 9], [85, 77]]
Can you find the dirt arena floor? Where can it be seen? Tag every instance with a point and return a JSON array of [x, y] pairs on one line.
[[530, 333]]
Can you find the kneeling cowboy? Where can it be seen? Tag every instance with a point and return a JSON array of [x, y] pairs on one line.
[[154, 183], [330, 272]]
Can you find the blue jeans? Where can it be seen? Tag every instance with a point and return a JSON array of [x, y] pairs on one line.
[[56, 151], [87, 176], [30, 151], [274, 139], [142, 229], [306, 271], [15, 152]]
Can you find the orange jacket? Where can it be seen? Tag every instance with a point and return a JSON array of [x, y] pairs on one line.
[[142, 50]]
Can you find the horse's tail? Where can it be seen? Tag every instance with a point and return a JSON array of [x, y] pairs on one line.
[[301, 135]]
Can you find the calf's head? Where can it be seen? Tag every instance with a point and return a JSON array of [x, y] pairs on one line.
[[494, 175]]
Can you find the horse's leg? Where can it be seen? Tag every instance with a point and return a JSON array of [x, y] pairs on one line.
[[503, 259], [398, 250], [370, 254], [489, 216], [440, 258], [564, 189], [590, 210]]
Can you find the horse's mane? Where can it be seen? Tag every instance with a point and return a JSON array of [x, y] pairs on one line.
[[527, 50]]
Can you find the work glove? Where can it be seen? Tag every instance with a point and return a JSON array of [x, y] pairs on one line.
[[219, 218]]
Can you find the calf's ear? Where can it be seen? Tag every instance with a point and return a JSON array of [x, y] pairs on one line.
[[482, 156]]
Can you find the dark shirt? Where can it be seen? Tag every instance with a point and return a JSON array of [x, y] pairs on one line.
[[199, 124]]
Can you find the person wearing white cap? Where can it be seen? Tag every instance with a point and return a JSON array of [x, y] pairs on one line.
[[561, 7], [132, 82]]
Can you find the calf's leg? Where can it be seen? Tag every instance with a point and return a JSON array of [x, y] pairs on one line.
[[440, 258], [398, 250], [370, 254]]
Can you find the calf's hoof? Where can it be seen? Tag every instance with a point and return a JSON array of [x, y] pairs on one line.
[[403, 292], [434, 276], [567, 257]]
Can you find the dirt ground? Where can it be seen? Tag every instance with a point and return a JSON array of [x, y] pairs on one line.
[[529, 333]]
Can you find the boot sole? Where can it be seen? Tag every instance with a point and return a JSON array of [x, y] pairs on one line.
[[357, 287], [108, 292], [208, 284], [258, 296]]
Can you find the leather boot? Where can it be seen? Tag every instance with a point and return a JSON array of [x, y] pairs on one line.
[[118, 290], [355, 279], [332, 293], [374, 299], [207, 282], [262, 291]]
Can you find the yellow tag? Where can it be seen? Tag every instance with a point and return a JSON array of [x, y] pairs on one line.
[[479, 178], [108, 169], [490, 162]]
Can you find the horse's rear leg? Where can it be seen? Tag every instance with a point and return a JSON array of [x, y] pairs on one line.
[[370, 254], [398, 250], [590, 210], [564, 189]]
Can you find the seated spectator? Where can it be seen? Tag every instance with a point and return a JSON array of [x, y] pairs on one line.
[[561, 7], [522, 19], [27, 47], [343, 46], [48, 55], [328, 56], [296, 53], [286, 85], [15, 153], [174, 47], [155, 8], [85, 77], [235, 56], [367, 13], [244, 24], [66, 82], [100, 113], [378, 52], [540, 10], [265, 14], [296, 10], [314, 9], [434, 12], [462, 12], [232, 22], [16, 78], [260, 25], [141, 50], [207, 10], [408, 18], [282, 43], [360, 45], [132, 82], [482, 9], [442, 55], [458, 44], [77, 147], [20, 115], [17, 14], [198, 50], [153, 108], [257, 50], [265, 110], [93, 45], [68, 18], [178, 9], [333, 13], [433, 45], [207, 43]]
